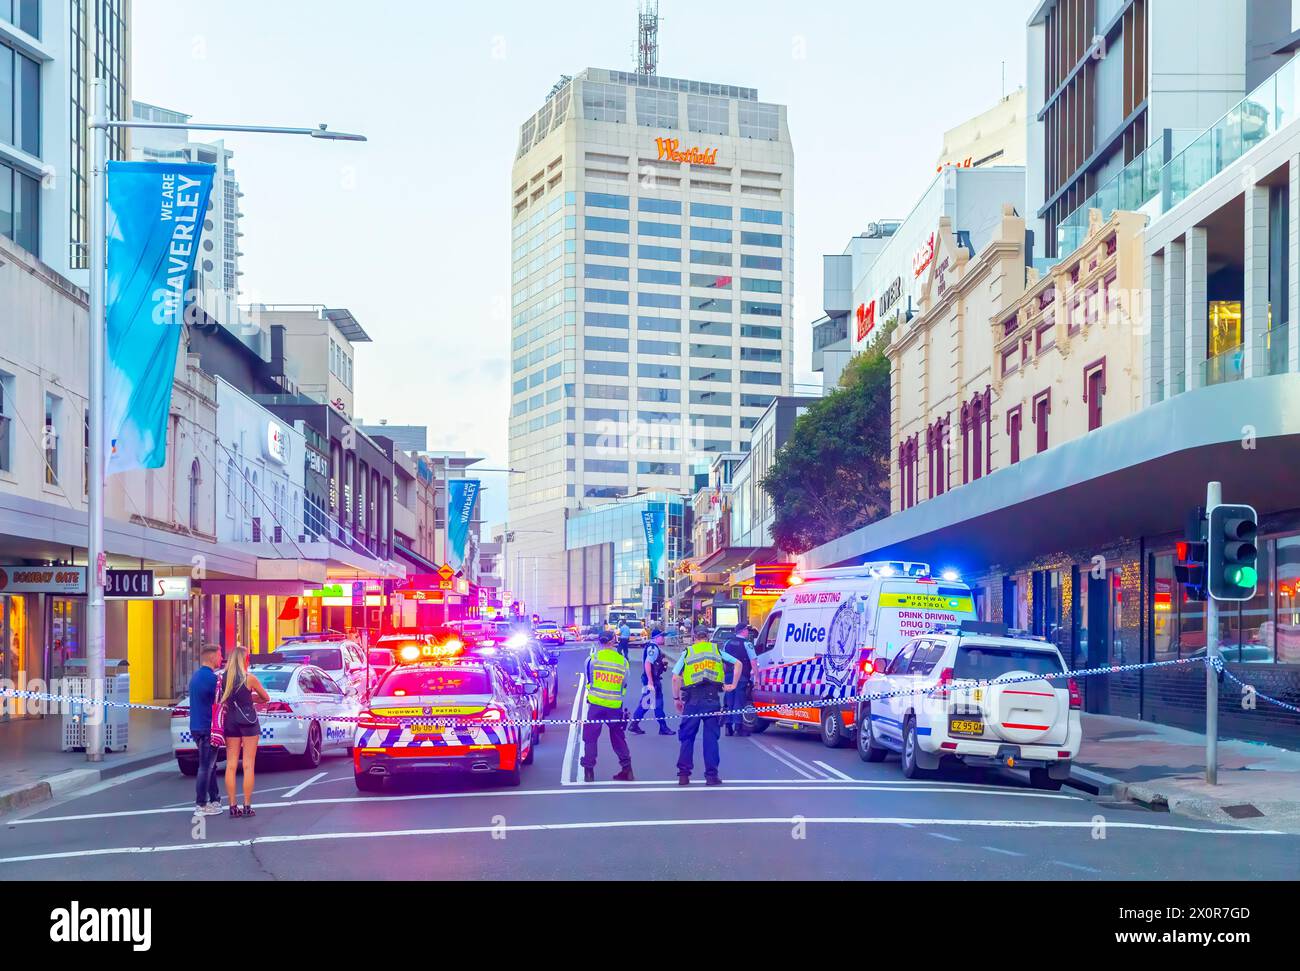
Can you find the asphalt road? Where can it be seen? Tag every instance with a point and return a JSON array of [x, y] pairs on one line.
[[790, 807]]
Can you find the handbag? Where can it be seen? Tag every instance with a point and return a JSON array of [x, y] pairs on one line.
[[218, 724]]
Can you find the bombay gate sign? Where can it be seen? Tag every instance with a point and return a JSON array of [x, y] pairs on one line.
[[43, 579], [670, 150]]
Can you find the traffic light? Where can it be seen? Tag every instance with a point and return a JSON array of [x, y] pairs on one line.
[[1189, 568], [1232, 558]]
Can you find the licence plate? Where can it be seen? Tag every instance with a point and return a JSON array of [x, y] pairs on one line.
[[965, 726], [426, 729]]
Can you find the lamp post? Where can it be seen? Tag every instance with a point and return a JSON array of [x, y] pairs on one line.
[[96, 563]]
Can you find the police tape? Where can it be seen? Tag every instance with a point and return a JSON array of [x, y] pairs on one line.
[[773, 709]]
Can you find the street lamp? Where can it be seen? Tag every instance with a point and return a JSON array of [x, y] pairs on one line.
[[96, 562]]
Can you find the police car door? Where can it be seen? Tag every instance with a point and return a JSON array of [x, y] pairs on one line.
[[887, 713], [766, 657]]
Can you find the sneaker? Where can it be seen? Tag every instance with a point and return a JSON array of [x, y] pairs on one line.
[[683, 780], [588, 775], [211, 809], [712, 780], [625, 775], [665, 730], [636, 729]]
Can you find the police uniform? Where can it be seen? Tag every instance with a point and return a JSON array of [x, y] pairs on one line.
[[652, 685], [702, 668], [607, 671]]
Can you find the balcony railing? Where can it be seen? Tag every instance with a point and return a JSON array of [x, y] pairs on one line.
[[1194, 160]]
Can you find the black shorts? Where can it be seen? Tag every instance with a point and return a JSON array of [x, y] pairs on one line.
[[243, 731]]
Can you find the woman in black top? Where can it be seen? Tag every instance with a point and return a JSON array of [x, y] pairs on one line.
[[241, 726]]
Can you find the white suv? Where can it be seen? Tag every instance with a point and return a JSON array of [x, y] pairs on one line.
[[975, 694]]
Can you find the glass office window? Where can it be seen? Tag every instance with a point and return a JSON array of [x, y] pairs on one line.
[[669, 301], [606, 200], [711, 304], [668, 278], [759, 120], [665, 325], [667, 207], [711, 374], [604, 102], [7, 59], [705, 210], [668, 348], [710, 258], [606, 247], [611, 345], [659, 395], [711, 352], [603, 271], [760, 377], [751, 262], [604, 224], [711, 398], [760, 239], [656, 109], [711, 328], [605, 320], [664, 372], [770, 217], [666, 230], [706, 234], [613, 368], [708, 114], [665, 254]]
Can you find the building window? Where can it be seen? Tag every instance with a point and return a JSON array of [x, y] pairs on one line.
[[53, 416], [6, 422], [708, 114], [1094, 389], [604, 102], [230, 488], [195, 478], [1014, 421], [1042, 411], [1010, 360]]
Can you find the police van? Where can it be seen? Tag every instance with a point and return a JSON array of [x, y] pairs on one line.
[[833, 628]]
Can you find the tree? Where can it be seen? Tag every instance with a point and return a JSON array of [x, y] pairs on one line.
[[832, 475]]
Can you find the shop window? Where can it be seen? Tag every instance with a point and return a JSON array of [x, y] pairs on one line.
[[1255, 633], [1164, 608], [1286, 637]]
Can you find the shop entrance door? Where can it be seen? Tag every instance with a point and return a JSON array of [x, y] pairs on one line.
[[1095, 641]]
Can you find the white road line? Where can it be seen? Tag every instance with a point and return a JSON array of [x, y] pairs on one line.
[[788, 785], [568, 776], [1076, 866], [788, 764], [944, 836], [833, 771], [635, 824], [817, 773], [301, 786], [996, 849]]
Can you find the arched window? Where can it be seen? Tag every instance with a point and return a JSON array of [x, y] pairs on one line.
[[196, 477]]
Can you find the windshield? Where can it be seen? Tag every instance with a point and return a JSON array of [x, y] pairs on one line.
[[381, 657], [272, 680], [329, 658], [985, 663], [439, 681], [507, 662]]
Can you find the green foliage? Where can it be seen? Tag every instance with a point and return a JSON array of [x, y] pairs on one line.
[[832, 476]]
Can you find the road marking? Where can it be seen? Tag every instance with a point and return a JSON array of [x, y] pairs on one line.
[[944, 836], [817, 773], [301, 786], [995, 849], [635, 824], [1076, 866], [788, 764], [569, 775], [833, 771], [787, 785]]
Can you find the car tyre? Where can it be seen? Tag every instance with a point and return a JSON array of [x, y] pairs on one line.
[[368, 783], [510, 777], [1040, 779], [311, 755], [189, 767], [868, 750], [832, 727], [911, 769], [754, 723]]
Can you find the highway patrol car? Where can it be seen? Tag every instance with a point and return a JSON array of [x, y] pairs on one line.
[[439, 714], [833, 628]]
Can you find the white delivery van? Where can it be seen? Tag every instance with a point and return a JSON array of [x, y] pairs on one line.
[[833, 627]]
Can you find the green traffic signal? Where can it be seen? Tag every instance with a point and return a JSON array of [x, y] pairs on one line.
[[1242, 576], [1232, 552]]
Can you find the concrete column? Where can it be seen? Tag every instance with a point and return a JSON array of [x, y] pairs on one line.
[[1196, 306], [1175, 317], [1293, 263], [1153, 354], [1254, 311]]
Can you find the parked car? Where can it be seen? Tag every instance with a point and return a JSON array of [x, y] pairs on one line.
[[342, 659]]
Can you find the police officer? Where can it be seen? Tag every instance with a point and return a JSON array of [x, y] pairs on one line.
[[606, 683], [698, 679], [740, 644], [652, 692]]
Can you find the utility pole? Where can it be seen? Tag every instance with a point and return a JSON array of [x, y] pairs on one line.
[[1213, 497]]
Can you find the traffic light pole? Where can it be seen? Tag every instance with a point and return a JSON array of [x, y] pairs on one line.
[[1213, 497]]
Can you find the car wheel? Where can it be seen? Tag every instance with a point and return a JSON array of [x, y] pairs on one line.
[[368, 783], [1039, 779], [911, 770], [188, 767], [868, 750], [310, 757], [754, 724], [832, 728], [532, 751], [510, 777]]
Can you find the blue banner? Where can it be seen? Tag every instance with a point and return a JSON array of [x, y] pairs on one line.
[[155, 221], [653, 521], [461, 496]]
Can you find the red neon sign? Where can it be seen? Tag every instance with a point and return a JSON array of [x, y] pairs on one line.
[[866, 319]]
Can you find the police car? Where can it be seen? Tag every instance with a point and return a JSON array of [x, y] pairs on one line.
[[833, 628], [442, 712], [974, 693], [326, 723]]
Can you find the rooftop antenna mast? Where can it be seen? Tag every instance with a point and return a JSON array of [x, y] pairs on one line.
[[647, 57]]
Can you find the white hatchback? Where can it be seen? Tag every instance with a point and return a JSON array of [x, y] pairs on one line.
[[977, 695], [327, 723]]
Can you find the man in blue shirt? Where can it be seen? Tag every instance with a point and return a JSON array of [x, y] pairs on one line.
[[203, 695], [624, 637], [652, 691], [698, 678]]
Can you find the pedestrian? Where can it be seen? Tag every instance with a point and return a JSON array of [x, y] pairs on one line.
[[624, 637], [652, 693], [203, 695], [741, 645], [698, 677], [241, 727], [607, 671]]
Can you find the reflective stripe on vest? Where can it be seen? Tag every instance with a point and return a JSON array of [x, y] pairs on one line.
[[703, 663], [608, 675]]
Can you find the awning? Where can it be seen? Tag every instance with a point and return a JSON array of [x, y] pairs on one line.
[[1137, 477], [728, 559], [415, 559]]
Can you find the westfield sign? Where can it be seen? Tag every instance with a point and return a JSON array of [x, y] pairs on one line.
[[670, 150]]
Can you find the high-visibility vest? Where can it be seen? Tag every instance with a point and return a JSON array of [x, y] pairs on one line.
[[703, 664], [608, 675]]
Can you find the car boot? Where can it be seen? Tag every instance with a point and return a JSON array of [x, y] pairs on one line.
[[683, 779], [665, 730], [636, 729], [728, 731], [588, 775], [624, 775], [712, 780]]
